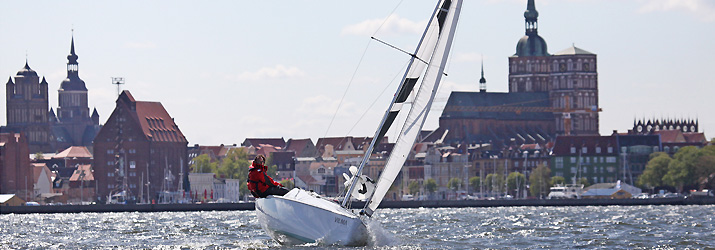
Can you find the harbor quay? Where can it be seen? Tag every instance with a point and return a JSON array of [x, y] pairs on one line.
[[112, 208]]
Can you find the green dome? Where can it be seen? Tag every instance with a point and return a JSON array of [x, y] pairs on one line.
[[531, 45]]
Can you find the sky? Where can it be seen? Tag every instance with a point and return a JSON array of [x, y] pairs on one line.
[[230, 70]]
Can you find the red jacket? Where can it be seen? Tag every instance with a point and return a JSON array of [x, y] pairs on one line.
[[258, 180]]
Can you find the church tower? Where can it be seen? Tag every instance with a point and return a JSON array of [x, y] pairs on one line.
[[529, 68], [27, 109], [74, 124]]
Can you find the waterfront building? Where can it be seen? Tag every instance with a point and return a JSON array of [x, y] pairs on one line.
[[617, 190], [635, 151], [16, 176], [202, 186], [674, 134], [140, 150], [584, 156]]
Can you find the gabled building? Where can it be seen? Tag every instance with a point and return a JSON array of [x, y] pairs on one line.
[[301, 147], [142, 147], [42, 179]]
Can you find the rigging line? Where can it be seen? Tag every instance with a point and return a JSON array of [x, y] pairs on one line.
[[352, 78], [401, 50], [377, 98], [356, 69]]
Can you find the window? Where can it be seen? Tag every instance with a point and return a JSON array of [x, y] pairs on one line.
[[598, 150], [610, 150], [132, 174], [110, 151], [132, 164], [110, 163], [573, 170], [573, 159], [584, 150], [611, 159], [321, 170], [573, 150], [559, 162]]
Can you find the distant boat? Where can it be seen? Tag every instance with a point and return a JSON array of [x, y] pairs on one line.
[[304, 217]]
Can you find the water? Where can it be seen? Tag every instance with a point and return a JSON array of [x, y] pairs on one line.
[[613, 227]]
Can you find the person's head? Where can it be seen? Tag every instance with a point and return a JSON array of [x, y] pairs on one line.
[[260, 159]]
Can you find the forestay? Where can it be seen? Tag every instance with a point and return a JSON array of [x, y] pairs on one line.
[[434, 49]]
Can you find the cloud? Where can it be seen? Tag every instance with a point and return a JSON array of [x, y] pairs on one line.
[[140, 45], [703, 9], [391, 26], [324, 106], [278, 71]]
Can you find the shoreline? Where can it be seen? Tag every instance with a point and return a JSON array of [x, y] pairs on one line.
[[385, 204]]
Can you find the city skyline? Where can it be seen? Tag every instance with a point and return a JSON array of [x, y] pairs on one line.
[[281, 68]]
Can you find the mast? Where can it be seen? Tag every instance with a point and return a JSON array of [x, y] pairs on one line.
[[441, 31], [400, 96]]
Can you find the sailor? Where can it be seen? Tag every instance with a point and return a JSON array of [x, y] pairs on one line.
[[259, 183]]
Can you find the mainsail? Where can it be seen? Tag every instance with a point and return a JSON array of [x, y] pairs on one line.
[[432, 54]]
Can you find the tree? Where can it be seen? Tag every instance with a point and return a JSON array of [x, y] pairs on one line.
[[287, 183], [237, 162], [557, 180], [495, 182], [654, 171], [475, 182], [414, 187], [39, 156], [430, 185], [540, 180], [516, 180], [705, 168], [681, 170], [454, 183], [203, 164]]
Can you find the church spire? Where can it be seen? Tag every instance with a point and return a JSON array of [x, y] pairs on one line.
[[482, 81], [72, 65], [531, 16]]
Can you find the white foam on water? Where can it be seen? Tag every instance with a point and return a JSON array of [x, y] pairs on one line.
[[378, 236]]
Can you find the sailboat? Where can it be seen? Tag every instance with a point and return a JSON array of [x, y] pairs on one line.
[[303, 216]]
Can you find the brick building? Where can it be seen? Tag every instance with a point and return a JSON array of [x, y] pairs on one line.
[[16, 175], [549, 95], [141, 150]]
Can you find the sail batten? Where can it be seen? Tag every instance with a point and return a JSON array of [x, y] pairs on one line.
[[437, 44]]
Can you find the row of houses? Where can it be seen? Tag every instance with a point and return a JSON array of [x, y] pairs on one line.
[[142, 154]]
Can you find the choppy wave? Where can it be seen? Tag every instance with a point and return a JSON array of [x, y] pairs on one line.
[[638, 227]]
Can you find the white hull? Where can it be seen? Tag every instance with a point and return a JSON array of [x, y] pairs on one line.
[[302, 217]]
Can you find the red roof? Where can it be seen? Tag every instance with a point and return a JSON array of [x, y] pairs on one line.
[[88, 176], [563, 144], [278, 142], [297, 145], [667, 136], [157, 124], [73, 152], [695, 137]]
